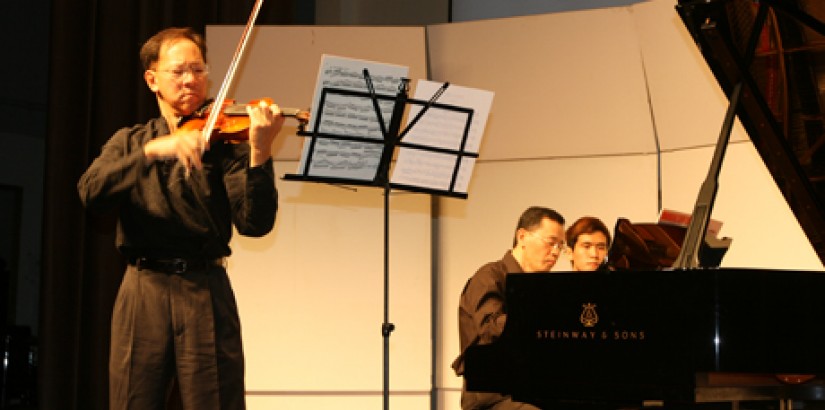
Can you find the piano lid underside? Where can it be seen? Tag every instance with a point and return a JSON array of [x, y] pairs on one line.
[[783, 106]]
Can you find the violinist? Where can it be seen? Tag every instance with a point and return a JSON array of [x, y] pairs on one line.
[[178, 198]]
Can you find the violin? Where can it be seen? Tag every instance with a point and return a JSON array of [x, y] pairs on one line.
[[232, 122]]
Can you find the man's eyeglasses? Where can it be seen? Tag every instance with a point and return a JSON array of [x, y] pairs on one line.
[[198, 71], [551, 243]]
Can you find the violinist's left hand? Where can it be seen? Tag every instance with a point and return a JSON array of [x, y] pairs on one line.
[[265, 121]]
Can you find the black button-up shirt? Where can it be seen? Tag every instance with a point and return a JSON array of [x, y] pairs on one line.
[[166, 212]]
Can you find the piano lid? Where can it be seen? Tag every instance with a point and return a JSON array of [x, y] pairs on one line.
[[776, 48]]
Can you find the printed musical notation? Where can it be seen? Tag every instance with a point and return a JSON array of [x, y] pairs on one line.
[[355, 116], [443, 128], [351, 116]]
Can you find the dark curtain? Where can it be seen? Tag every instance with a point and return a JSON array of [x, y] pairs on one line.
[[95, 87]]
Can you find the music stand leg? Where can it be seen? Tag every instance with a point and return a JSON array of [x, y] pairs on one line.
[[386, 327]]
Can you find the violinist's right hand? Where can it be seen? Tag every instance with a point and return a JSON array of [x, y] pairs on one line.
[[185, 145]]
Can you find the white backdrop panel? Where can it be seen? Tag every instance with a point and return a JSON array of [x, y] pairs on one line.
[[753, 211], [566, 84], [311, 293], [688, 104]]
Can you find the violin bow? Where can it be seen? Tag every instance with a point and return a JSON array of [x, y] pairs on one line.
[[215, 112]]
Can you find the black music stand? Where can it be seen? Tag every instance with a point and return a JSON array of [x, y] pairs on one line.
[[391, 138], [315, 170]]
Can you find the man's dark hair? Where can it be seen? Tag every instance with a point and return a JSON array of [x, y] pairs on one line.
[[586, 225], [532, 217], [150, 52]]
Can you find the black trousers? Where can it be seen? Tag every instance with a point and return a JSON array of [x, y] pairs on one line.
[[176, 325]]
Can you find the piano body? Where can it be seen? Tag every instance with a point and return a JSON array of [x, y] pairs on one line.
[[676, 330], [673, 336]]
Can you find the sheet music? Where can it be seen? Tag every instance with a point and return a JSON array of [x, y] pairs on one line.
[[442, 128], [350, 116]]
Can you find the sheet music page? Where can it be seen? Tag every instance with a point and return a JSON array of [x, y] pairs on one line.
[[349, 116], [442, 128]]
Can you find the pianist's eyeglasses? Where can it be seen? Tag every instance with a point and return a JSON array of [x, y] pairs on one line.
[[551, 243]]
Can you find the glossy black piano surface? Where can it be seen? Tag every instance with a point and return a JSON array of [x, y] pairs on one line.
[[634, 336]]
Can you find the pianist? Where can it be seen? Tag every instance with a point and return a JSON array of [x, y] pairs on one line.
[[588, 240], [537, 244]]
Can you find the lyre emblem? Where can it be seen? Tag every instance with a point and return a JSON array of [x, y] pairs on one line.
[[589, 317]]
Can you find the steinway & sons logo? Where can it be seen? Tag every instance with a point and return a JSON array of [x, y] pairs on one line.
[[589, 318]]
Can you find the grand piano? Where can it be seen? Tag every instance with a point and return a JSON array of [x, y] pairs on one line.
[[665, 326]]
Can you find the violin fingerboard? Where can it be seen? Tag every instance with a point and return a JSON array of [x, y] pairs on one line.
[[239, 109]]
